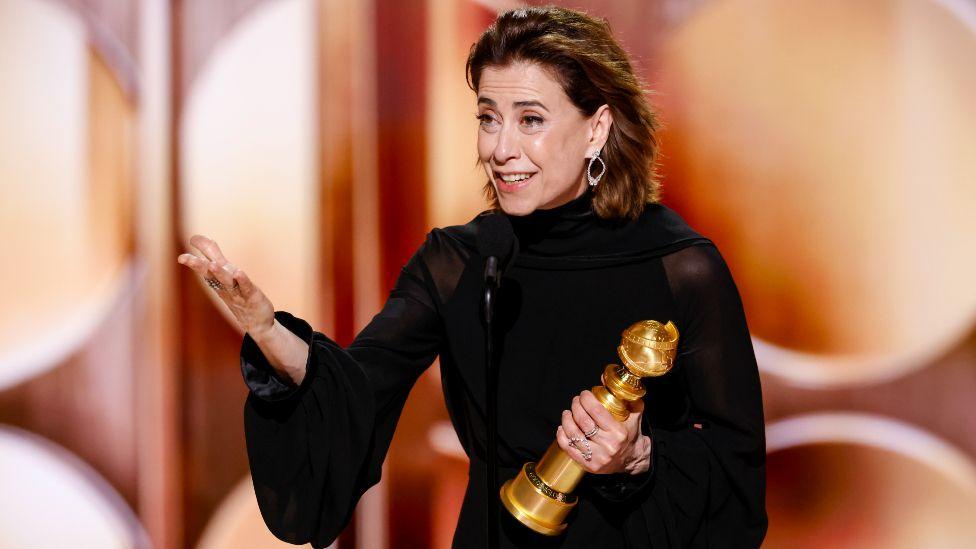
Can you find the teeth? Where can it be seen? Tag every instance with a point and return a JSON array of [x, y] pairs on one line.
[[516, 177]]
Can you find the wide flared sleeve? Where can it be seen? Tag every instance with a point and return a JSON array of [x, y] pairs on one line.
[[706, 485], [315, 448]]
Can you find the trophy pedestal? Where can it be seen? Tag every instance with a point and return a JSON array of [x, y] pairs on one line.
[[514, 496], [539, 497]]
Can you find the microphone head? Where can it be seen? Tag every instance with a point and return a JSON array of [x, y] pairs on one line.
[[497, 238]]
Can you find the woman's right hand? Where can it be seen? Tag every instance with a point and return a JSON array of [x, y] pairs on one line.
[[252, 309]]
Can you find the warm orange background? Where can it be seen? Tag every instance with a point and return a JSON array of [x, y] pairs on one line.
[[827, 146]]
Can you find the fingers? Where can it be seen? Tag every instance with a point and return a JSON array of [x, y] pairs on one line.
[[563, 441], [244, 282], [208, 247], [633, 422], [610, 449], [227, 275], [219, 272], [575, 450], [198, 264], [613, 436], [595, 410], [569, 425], [582, 418], [213, 265]]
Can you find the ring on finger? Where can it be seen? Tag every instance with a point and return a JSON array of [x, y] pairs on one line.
[[591, 433], [588, 453], [574, 442], [218, 285]]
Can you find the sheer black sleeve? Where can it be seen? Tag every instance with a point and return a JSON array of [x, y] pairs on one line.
[[706, 486], [315, 448]]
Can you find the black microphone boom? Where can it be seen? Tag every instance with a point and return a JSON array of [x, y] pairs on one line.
[[498, 245], [496, 239]]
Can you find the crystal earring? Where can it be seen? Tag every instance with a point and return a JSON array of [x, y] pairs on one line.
[[594, 180]]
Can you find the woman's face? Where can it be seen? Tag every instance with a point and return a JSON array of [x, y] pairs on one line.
[[532, 141]]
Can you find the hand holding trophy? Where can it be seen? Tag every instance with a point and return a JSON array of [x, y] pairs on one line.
[[540, 496]]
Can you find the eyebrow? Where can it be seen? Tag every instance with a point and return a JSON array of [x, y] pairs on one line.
[[530, 103]]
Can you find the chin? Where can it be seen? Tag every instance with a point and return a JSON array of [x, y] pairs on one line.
[[514, 206]]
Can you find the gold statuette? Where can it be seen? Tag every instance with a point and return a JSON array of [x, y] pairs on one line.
[[540, 496]]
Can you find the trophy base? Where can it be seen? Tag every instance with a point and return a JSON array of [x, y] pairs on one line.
[[531, 506]]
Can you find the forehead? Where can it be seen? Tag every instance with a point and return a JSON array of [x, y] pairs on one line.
[[520, 81]]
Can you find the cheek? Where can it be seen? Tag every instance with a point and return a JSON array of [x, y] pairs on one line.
[[569, 149], [486, 144], [554, 154], [542, 150], [558, 144]]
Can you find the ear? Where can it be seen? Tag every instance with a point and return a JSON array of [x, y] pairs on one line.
[[600, 124]]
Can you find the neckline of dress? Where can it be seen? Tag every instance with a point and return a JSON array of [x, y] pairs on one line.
[[571, 236], [567, 220]]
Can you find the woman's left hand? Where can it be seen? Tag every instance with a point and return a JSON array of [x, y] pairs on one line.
[[615, 447]]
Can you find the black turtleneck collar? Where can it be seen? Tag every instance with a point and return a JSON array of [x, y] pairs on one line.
[[537, 230], [571, 235]]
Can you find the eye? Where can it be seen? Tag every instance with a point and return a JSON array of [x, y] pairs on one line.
[[532, 119], [484, 118]]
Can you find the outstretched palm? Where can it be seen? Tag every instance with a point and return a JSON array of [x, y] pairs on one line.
[[252, 309]]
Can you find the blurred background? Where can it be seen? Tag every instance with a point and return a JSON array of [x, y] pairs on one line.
[[827, 146]]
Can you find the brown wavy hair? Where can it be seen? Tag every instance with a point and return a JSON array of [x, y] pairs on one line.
[[591, 67]]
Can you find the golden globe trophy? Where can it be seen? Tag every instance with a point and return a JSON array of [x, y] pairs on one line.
[[540, 496]]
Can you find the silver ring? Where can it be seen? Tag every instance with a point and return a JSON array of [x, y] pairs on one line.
[[588, 453], [591, 433], [217, 285]]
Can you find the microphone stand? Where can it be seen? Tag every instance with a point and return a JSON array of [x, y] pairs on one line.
[[492, 282]]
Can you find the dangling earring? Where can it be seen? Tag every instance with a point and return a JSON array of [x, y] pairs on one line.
[[594, 180]]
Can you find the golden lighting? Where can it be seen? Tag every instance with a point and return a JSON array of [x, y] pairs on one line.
[[827, 147]]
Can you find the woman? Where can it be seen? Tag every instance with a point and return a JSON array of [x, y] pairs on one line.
[[567, 141]]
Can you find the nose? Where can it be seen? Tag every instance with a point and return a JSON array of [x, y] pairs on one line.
[[508, 145]]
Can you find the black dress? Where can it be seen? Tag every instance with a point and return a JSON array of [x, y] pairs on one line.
[[576, 283]]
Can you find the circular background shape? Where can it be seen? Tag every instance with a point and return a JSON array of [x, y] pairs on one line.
[[854, 480], [65, 188], [249, 160], [51, 498], [827, 148], [237, 523]]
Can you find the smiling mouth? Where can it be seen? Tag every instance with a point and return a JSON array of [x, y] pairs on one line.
[[514, 183]]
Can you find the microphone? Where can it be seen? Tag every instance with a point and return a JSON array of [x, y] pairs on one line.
[[497, 243]]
